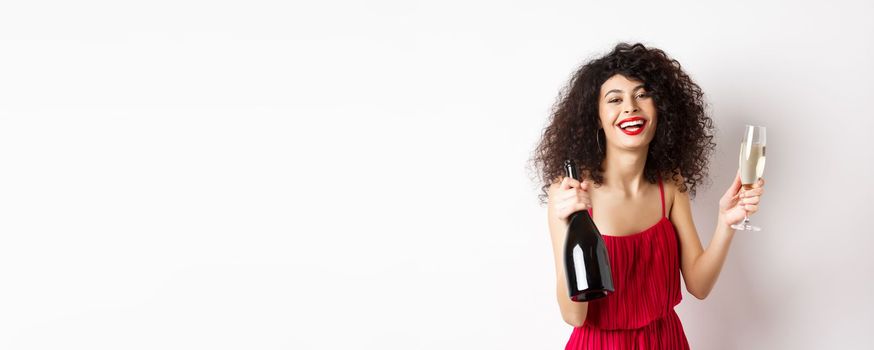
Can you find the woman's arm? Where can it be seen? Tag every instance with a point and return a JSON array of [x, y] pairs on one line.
[[701, 267]]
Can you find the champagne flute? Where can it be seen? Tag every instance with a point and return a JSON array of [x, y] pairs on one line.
[[752, 165]]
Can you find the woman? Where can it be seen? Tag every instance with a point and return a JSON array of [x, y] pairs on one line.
[[635, 125]]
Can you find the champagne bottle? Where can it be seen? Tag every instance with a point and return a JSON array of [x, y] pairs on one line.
[[586, 264]]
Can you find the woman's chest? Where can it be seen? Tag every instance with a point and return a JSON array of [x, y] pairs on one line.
[[617, 216]]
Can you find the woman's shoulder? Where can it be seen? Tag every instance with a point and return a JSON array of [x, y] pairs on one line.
[[672, 183], [673, 180]]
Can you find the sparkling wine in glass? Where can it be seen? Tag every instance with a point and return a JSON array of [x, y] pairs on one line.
[[752, 165]]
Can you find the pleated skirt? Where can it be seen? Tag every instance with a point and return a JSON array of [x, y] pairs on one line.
[[665, 333]]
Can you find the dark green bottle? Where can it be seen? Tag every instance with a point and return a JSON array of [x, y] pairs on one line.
[[586, 264]]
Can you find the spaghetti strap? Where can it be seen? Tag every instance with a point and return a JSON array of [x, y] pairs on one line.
[[662, 194]]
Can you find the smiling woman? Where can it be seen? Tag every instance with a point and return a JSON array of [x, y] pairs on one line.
[[657, 87], [633, 121], [635, 125]]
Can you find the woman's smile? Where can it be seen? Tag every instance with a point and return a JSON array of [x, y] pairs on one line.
[[632, 126], [627, 112]]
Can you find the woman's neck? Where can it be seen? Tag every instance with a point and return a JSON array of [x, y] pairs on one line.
[[623, 170]]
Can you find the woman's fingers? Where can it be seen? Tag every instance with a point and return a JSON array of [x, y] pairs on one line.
[[736, 198], [569, 209], [572, 200], [753, 192], [569, 182], [563, 212], [564, 183], [576, 196], [760, 183], [569, 197], [751, 200], [752, 196]]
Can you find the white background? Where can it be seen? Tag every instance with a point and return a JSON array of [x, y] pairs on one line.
[[269, 175]]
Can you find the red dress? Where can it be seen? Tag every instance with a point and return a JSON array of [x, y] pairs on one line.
[[640, 313]]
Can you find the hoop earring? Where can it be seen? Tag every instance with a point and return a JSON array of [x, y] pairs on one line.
[[598, 140]]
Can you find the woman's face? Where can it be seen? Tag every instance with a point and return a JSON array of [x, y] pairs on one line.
[[628, 113]]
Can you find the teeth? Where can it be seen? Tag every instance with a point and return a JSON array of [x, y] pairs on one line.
[[634, 123]]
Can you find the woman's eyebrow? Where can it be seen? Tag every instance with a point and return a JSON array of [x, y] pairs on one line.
[[617, 90]]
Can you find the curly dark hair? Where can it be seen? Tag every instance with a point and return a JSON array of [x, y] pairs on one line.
[[683, 141]]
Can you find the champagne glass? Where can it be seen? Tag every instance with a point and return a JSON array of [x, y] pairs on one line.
[[752, 165]]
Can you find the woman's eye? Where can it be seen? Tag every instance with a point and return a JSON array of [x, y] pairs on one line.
[[644, 95]]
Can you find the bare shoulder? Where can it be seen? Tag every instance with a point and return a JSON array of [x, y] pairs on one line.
[[680, 212], [672, 191]]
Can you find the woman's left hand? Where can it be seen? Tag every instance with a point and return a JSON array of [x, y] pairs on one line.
[[737, 202]]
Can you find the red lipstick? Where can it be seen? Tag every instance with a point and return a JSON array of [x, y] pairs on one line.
[[636, 129]]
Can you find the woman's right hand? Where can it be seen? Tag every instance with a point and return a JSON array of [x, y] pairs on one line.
[[567, 197]]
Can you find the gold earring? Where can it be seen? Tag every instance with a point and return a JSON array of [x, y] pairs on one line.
[[598, 140]]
